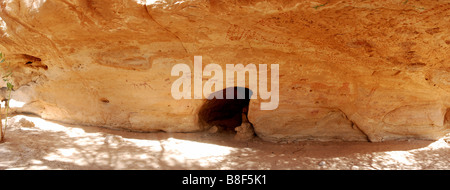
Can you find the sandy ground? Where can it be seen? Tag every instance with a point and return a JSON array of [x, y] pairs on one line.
[[52, 145]]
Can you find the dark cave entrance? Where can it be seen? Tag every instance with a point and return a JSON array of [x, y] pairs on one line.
[[225, 113]]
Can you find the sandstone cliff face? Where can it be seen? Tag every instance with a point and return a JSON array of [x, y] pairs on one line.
[[365, 70]]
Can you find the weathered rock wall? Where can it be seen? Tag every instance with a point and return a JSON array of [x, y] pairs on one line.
[[365, 70]]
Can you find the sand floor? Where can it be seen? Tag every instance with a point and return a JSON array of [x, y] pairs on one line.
[[52, 145]]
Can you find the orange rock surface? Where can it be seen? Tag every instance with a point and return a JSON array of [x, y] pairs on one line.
[[349, 70]]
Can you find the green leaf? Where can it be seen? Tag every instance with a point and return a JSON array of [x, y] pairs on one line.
[[9, 86], [316, 7], [3, 60], [7, 74]]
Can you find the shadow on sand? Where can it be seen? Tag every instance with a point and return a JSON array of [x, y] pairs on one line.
[[54, 145]]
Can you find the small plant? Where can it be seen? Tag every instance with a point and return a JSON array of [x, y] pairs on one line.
[[7, 77], [413, 6], [316, 7]]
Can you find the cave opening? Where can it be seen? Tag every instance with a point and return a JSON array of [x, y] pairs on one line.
[[225, 109]]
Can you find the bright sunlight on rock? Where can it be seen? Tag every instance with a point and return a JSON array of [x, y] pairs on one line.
[[158, 84]]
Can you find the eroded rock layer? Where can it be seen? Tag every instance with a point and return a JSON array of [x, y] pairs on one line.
[[348, 70]]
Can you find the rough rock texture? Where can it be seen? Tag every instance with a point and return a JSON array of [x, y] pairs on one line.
[[245, 131], [365, 70]]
